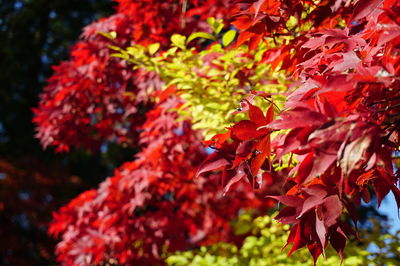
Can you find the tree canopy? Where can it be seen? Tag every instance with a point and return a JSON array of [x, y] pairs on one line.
[[233, 105]]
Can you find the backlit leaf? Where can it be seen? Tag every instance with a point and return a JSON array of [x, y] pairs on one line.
[[203, 35], [228, 37]]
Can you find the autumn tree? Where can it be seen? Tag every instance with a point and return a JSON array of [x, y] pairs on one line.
[[304, 102]]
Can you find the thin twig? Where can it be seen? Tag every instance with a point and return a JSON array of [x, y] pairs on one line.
[[183, 19]]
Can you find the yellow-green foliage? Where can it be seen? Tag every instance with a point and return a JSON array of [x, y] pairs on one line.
[[264, 248], [212, 81]]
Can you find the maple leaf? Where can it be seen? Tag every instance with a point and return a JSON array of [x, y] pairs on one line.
[[354, 152]]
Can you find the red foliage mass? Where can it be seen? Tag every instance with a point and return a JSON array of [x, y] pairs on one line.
[[343, 120], [94, 97], [152, 203]]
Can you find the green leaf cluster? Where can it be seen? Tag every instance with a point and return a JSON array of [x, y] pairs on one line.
[[263, 247], [212, 81]]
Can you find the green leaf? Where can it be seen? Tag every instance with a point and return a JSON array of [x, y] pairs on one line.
[[109, 35], [115, 48], [213, 105], [204, 35], [113, 35], [120, 56], [178, 40], [228, 37], [211, 21], [216, 25], [153, 48]]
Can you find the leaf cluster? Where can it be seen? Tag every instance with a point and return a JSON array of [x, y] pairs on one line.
[[263, 246]]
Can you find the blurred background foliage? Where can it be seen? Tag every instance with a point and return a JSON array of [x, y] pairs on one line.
[[34, 35]]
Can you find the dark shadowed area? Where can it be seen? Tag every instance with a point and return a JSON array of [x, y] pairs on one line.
[[34, 35]]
